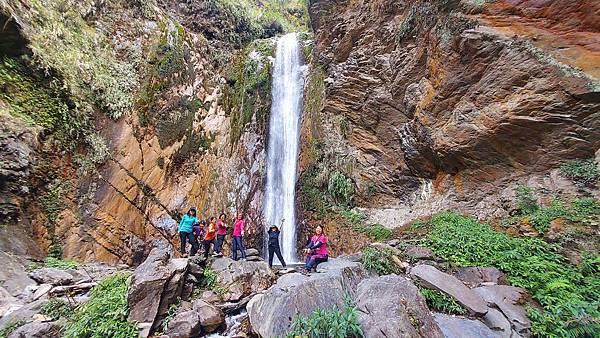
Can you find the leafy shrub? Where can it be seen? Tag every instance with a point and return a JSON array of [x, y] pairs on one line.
[[353, 217], [541, 218], [209, 278], [379, 261], [340, 188], [567, 293], [376, 232], [584, 208], [10, 327], [55, 251], [439, 301], [526, 202], [582, 172], [56, 308], [105, 314], [332, 322], [52, 262]]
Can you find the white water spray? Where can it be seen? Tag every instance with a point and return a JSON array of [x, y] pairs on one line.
[[282, 152]]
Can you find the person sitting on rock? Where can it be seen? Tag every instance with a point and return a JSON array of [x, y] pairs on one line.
[[238, 233], [209, 237], [185, 232], [316, 251], [274, 246], [221, 233]]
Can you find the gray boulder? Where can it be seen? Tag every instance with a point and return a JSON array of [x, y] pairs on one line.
[[272, 312], [13, 275], [418, 252], [211, 318], [506, 298], [25, 312], [242, 278], [37, 330], [251, 252], [155, 285], [51, 276], [458, 327], [475, 276], [391, 306], [8, 303], [432, 278], [184, 325], [496, 321]]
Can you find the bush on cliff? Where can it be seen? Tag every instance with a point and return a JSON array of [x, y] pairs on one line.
[[570, 295], [105, 314]]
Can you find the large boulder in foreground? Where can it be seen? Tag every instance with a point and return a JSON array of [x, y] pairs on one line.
[[242, 278], [155, 285], [211, 318], [432, 278], [392, 306], [38, 330], [294, 294]]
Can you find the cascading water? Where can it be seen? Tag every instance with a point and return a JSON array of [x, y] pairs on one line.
[[282, 151]]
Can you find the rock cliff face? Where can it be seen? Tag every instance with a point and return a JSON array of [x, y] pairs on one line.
[[450, 104], [163, 121]]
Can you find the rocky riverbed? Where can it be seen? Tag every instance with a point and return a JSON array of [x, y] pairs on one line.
[[172, 297]]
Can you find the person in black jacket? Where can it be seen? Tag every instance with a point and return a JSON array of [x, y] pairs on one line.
[[274, 245]]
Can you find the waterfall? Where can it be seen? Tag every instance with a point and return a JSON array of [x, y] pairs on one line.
[[282, 151]]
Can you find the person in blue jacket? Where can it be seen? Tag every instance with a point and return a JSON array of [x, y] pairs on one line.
[[186, 226]]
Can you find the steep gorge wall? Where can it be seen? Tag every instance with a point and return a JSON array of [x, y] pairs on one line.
[[451, 104], [190, 132]]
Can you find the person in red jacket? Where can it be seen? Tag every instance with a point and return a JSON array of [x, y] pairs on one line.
[[221, 233], [209, 237], [238, 233]]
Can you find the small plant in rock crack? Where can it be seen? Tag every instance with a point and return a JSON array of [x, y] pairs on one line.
[[439, 301], [379, 261], [10, 327], [171, 312], [209, 279], [57, 308]]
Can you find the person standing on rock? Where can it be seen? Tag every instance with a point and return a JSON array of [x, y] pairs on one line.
[[316, 251], [209, 237], [274, 245], [238, 233], [185, 232], [221, 233]]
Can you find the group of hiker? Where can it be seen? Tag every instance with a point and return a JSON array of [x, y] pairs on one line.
[[212, 232]]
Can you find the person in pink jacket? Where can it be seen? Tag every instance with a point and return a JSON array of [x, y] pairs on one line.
[[238, 233], [221, 233], [316, 251]]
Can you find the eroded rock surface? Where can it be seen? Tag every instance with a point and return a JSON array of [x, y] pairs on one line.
[[431, 277], [155, 285], [242, 278], [272, 312], [391, 306]]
